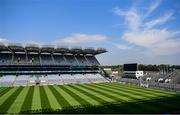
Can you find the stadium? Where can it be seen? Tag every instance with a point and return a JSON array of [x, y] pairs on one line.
[[51, 79]]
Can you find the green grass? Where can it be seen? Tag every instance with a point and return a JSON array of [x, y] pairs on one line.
[[28, 100], [44, 99], [88, 98]]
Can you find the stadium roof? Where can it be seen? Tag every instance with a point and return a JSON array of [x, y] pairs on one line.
[[50, 49]]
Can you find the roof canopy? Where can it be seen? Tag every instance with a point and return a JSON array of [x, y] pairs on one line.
[[50, 49]]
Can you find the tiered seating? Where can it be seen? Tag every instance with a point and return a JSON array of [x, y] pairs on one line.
[[82, 60], [33, 59], [19, 58], [29, 80], [54, 79], [21, 80], [43, 80], [7, 81], [95, 78], [165, 86], [76, 78], [68, 79], [101, 78], [32, 80], [59, 60], [80, 78], [70, 60], [92, 60], [134, 81], [5, 58], [91, 77], [46, 59]]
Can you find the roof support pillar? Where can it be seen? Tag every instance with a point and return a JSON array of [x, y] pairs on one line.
[[87, 60], [40, 59], [12, 57], [27, 58], [65, 58], [52, 58], [76, 60]]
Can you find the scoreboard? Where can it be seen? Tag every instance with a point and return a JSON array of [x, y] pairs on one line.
[[130, 67]]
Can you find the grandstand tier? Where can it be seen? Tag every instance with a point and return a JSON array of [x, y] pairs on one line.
[[17, 59], [34, 65], [50, 79], [13, 48]]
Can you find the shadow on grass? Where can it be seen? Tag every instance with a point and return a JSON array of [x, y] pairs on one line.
[[170, 107]]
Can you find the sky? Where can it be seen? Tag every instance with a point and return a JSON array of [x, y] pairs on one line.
[[142, 31]]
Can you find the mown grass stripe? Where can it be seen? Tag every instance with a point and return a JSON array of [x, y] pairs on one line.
[[104, 109], [159, 106], [5, 96], [44, 99], [16, 106], [28, 100], [2, 88], [126, 90], [9, 101], [122, 94], [61, 100], [88, 93], [52, 100], [106, 93], [119, 98], [75, 96], [84, 96], [142, 90], [152, 103], [67, 96], [36, 102], [137, 89], [103, 95], [116, 96], [109, 93], [4, 91]]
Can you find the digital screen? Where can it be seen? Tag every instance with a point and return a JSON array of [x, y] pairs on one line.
[[130, 67]]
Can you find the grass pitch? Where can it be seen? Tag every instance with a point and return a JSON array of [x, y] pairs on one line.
[[88, 98]]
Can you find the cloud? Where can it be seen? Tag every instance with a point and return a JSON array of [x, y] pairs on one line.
[[4, 41], [157, 42], [152, 7], [160, 20], [166, 47], [132, 18], [78, 38], [122, 47], [147, 38], [72, 40], [146, 34]]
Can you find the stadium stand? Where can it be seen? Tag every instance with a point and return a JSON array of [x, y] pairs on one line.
[[31, 80], [169, 81], [70, 60], [34, 65], [92, 60], [46, 59], [82, 60], [55, 79], [5, 58], [21, 80], [33, 59], [19, 58], [7, 81], [59, 59]]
